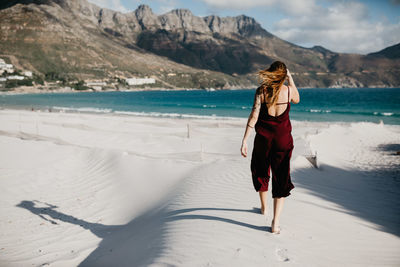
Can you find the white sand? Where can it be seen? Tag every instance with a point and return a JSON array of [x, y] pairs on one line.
[[106, 190]]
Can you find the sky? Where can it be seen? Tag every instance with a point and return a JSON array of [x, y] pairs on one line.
[[346, 26]]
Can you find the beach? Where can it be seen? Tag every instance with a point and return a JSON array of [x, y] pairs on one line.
[[81, 189]]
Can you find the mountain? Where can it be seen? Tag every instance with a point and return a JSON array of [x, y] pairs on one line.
[[83, 41], [390, 52]]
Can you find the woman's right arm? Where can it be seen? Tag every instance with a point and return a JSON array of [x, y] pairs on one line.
[[293, 89], [251, 122]]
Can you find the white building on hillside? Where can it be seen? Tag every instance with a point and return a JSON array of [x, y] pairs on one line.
[[5, 67], [15, 77], [27, 73], [140, 81], [96, 85]]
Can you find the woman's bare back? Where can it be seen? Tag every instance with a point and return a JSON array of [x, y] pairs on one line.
[[281, 105]]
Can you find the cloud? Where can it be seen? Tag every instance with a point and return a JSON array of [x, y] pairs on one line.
[[290, 5], [238, 4], [341, 27], [165, 5], [110, 4], [301, 7]]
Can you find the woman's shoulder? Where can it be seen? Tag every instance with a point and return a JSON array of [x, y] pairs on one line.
[[259, 95], [285, 90], [285, 87]]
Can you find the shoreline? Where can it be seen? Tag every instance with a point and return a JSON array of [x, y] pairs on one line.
[[159, 115], [62, 90]]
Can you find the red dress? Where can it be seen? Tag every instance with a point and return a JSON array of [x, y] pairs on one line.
[[273, 146]]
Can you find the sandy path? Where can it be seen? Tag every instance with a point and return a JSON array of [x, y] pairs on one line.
[[104, 190]]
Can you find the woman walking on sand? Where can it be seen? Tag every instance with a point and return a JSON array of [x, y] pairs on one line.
[[273, 143]]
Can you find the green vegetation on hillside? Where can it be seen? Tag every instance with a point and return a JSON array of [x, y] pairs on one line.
[[16, 83]]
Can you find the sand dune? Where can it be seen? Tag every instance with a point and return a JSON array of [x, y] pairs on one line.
[[116, 190]]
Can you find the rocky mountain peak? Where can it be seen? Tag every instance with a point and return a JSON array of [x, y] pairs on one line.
[[146, 18], [248, 26], [183, 19], [10, 3], [182, 12], [242, 25], [143, 10]]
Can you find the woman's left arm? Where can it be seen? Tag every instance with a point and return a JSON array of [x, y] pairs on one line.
[[251, 122]]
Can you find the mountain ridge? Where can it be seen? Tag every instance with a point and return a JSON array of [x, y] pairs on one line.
[[388, 52], [83, 40]]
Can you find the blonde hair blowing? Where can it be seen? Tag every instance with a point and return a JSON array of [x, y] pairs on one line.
[[271, 81]]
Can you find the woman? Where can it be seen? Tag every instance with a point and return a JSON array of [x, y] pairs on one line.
[[273, 143]]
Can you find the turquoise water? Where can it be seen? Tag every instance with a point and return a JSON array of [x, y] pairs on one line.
[[323, 104]]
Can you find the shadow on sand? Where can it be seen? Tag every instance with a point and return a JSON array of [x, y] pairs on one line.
[[370, 195], [138, 242]]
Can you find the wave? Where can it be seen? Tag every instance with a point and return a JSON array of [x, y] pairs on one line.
[[83, 109], [175, 115], [384, 113], [320, 110], [363, 113], [142, 114], [213, 116]]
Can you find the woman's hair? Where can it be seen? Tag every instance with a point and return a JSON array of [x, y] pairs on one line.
[[271, 81]]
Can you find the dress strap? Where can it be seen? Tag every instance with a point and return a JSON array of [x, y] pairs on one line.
[[288, 95]]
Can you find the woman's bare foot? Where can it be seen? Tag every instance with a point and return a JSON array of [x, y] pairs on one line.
[[263, 211], [275, 228]]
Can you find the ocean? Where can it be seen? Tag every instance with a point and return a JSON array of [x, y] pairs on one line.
[[322, 104]]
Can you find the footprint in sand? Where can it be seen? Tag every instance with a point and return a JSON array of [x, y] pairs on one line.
[[281, 254]]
